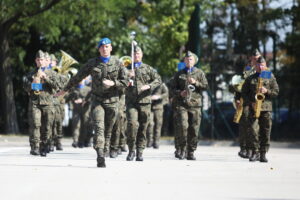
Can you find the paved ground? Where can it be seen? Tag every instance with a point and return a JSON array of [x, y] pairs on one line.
[[218, 173]]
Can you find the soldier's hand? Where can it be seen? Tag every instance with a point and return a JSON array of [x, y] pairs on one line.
[[192, 80], [155, 97], [43, 75], [183, 93], [108, 83], [237, 103], [263, 90], [145, 87], [131, 74], [78, 101], [60, 93]]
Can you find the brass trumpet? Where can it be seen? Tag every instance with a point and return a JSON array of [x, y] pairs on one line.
[[126, 61]]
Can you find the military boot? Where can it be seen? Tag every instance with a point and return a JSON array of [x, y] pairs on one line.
[[113, 153], [177, 153], [119, 151], [249, 153], [190, 156], [130, 156], [254, 157], [243, 153], [181, 155], [263, 157], [51, 146], [75, 144], [59, 146], [35, 151], [100, 158], [139, 156], [155, 145], [123, 148], [43, 150]]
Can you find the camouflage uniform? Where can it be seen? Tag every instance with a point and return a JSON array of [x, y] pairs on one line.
[[118, 139], [80, 114], [260, 137], [187, 111], [104, 99], [40, 110], [157, 109], [138, 104]]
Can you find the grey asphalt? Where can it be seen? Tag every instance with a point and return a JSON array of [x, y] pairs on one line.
[[218, 173]]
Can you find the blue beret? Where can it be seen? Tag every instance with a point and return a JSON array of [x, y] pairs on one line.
[[104, 41]]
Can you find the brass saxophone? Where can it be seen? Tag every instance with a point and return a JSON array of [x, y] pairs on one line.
[[259, 97], [238, 112]]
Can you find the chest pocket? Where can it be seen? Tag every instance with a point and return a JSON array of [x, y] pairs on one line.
[[96, 75], [112, 72]]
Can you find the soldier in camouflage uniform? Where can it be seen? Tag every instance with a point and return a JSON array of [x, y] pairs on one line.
[[80, 113], [108, 77], [188, 104], [118, 140], [260, 138], [159, 97], [59, 103], [138, 100], [40, 85]]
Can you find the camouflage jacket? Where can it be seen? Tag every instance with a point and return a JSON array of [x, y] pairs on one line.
[[79, 93], [144, 75], [99, 71], [163, 91], [50, 86], [249, 91], [179, 83]]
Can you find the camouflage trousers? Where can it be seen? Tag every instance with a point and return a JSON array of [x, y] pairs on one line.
[[137, 122], [187, 123], [104, 117], [155, 125], [41, 120], [260, 130], [244, 130], [57, 132], [118, 138], [80, 124]]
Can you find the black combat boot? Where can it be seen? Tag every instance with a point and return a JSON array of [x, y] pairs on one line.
[[123, 148], [59, 146], [113, 153], [43, 150], [177, 153], [182, 155], [139, 156], [254, 157], [155, 145], [51, 146], [130, 156], [190, 156], [100, 158], [80, 145], [119, 151], [243, 153], [75, 144], [249, 153], [35, 151], [263, 157]]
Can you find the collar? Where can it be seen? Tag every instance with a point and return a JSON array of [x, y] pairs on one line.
[[80, 86], [104, 60], [43, 68], [138, 64]]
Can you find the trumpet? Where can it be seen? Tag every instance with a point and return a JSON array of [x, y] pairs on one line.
[[259, 98], [126, 61], [133, 43], [189, 87]]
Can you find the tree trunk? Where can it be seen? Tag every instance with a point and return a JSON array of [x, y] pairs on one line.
[[8, 107]]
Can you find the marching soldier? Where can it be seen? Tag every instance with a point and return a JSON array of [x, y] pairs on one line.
[[40, 85], [159, 97], [108, 78], [80, 113], [138, 100], [59, 110], [187, 87], [258, 91]]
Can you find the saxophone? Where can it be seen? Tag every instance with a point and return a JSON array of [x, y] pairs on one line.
[[238, 112], [259, 97]]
